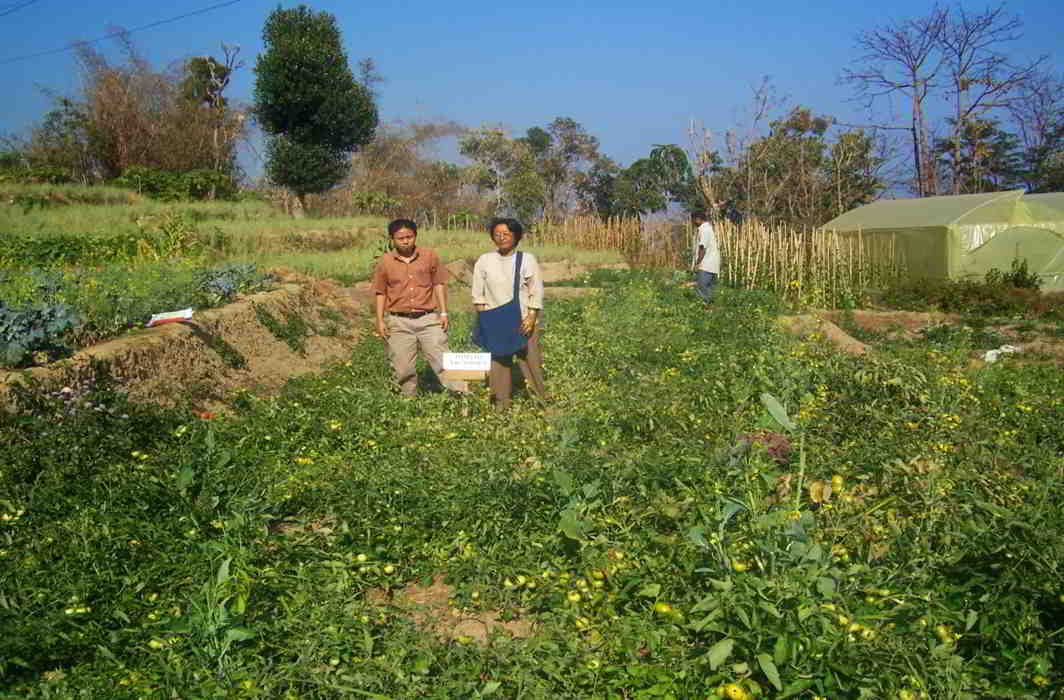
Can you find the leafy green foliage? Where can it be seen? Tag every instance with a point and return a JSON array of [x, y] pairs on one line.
[[34, 329], [293, 331], [375, 203], [658, 552], [1012, 293], [59, 249], [221, 284], [1018, 277], [52, 313], [800, 173], [304, 167], [172, 187], [173, 234], [647, 185], [35, 175], [308, 101], [37, 324], [979, 157], [509, 168]]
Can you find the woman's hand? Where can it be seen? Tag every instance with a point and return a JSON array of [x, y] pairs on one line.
[[528, 323]]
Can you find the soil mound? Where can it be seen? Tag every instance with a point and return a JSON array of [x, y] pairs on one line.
[[807, 323], [257, 343]]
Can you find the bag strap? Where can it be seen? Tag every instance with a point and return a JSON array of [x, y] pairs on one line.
[[517, 273]]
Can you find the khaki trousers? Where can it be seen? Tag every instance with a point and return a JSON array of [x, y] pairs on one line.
[[530, 360], [405, 335]]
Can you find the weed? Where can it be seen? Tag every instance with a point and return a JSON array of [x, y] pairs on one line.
[[710, 507], [293, 331]]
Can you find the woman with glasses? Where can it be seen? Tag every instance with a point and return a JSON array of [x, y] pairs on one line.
[[508, 296]]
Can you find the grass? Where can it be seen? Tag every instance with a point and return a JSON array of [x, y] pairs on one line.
[[119, 211], [356, 264], [706, 502], [254, 231], [38, 197]]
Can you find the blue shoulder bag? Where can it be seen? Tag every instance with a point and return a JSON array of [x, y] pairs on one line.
[[498, 330]]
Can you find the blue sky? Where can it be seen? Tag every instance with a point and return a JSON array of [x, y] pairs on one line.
[[634, 74]]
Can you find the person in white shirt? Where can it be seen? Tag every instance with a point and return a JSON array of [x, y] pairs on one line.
[[493, 286], [706, 261]]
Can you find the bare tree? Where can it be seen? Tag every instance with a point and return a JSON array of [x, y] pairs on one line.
[[205, 82], [1037, 108], [398, 168], [904, 58], [981, 77]]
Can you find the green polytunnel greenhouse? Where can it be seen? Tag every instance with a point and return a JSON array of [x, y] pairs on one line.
[[965, 236]]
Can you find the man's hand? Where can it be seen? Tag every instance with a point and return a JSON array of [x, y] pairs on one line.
[[528, 323], [382, 328], [444, 322]]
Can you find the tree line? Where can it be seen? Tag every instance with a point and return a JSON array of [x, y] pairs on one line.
[[975, 121]]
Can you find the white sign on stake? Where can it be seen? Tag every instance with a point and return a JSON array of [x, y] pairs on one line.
[[470, 361]]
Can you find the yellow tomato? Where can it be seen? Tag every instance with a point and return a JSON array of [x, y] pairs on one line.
[[734, 691], [944, 633]]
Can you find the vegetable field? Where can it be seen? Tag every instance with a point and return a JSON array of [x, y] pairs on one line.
[[707, 508]]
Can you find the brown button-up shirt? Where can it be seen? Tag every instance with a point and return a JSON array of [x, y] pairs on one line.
[[408, 286]]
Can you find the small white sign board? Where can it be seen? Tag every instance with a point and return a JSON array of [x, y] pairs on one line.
[[467, 361]]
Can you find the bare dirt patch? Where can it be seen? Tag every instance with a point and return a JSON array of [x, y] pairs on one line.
[[325, 240], [429, 607], [807, 324], [561, 271], [892, 324], [1032, 342]]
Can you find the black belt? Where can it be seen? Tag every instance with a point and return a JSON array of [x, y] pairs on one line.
[[411, 314]]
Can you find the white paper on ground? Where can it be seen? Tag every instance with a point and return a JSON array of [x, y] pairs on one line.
[[993, 355], [170, 317]]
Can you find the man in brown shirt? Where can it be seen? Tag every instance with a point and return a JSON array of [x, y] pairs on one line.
[[410, 286]]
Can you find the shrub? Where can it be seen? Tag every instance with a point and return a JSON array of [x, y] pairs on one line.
[[375, 203], [171, 187], [24, 332], [35, 175], [1012, 293], [1018, 277]]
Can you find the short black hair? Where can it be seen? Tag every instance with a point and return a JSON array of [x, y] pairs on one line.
[[513, 224], [398, 224], [699, 214]]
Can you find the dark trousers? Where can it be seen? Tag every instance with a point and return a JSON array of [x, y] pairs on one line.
[[704, 283], [530, 360]]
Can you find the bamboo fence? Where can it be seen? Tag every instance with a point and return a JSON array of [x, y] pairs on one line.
[[812, 267]]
